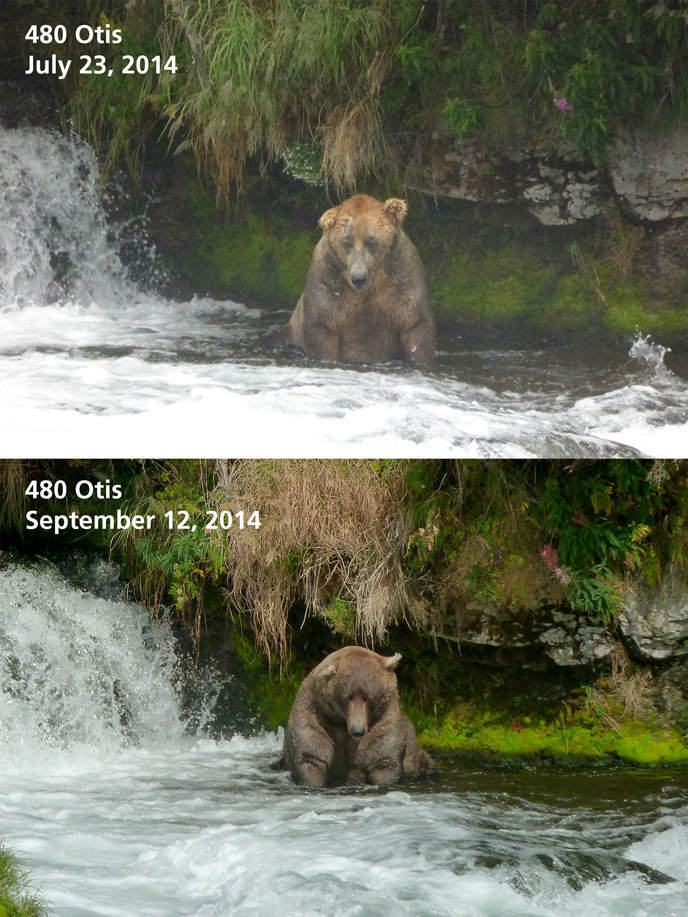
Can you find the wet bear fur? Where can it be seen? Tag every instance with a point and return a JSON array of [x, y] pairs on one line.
[[366, 297], [347, 725]]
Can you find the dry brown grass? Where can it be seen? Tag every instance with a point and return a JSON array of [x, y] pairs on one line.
[[619, 243], [14, 478], [352, 136], [629, 687], [331, 530]]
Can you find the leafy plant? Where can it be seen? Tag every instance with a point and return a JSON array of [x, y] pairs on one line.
[[600, 523], [352, 78]]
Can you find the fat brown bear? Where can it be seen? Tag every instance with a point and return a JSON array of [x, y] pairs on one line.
[[366, 298], [347, 725]]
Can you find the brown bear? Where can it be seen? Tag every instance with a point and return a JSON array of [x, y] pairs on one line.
[[366, 299], [347, 725]]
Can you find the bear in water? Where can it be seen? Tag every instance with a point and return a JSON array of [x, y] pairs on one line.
[[347, 725], [366, 298]]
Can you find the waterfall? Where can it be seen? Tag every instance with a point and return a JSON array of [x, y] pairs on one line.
[[55, 245], [77, 670]]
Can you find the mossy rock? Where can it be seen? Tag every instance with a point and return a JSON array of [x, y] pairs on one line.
[[255, 252], [630, 308], [495, 285], [272, 695], [572, 737]]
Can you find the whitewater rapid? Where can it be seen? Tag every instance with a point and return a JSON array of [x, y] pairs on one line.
[[93, 363], [119, 803]]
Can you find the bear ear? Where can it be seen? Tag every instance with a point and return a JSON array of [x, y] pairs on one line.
[[395, 209], [329, 671], [328, 219], [391, 662]]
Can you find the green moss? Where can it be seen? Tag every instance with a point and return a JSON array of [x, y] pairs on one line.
[[572, 735], [257, 254], [574, 302], [493, 285], [647, 743], [271, 694], [630, 308]]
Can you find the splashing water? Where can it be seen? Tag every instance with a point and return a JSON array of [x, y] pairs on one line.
[[652, 355], [79, 671]]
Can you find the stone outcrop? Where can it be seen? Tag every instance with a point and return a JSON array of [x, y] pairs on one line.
[[652, 623], [557, 189], [556, 634], [647, 173], [654, 619]]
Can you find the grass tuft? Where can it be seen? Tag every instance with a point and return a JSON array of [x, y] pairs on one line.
[[16, 897]]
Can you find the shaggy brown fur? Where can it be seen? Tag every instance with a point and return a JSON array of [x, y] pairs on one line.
[[347, 725], [366, 297]]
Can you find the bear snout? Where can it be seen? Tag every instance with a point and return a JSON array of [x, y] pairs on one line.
[[357, 718], [358, 280]]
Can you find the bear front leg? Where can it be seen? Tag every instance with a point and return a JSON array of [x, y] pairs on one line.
[[385, 771], [321, 342], [310, 772], [310, 751], [418, 342], [379, 773], [379, 756]]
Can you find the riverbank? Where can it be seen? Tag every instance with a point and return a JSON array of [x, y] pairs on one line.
[[539, 607], [482, 712], [542, 214]]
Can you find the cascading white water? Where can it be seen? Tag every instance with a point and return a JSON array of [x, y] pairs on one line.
[[88, 358], [118, 810], [54, 244], [79, 671]]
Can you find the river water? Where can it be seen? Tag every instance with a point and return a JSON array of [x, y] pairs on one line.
[[120, 803], [92, 363]]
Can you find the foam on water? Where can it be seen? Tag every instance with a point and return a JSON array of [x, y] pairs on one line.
[[119, 809], [210, 830], [89, 358]]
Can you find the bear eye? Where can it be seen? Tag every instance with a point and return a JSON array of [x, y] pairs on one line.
[[371, 244], [347, 244]]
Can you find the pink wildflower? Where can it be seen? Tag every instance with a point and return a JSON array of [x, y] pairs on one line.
[[563, 104], [549, 556]]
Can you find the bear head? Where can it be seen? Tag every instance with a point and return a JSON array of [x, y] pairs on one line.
[[360, 233], [356, 686]]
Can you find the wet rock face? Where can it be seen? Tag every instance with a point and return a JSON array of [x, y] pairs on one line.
[[560, 636], [558, 190], [654, 619], [576, 641], [647, 173], [671, 692], [650, 174], [23, 105]]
